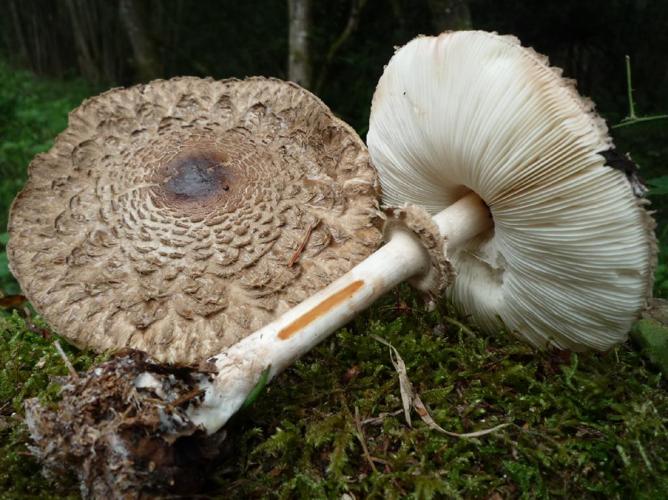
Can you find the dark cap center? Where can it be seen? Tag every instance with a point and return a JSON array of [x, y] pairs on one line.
[[196, 177]]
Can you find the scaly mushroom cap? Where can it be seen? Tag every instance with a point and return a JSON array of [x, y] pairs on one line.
[[570, 258], [169, 217]]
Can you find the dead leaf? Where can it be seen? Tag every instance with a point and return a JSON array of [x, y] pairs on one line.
[[410, 398], [405, 385], [421, 410], [12, 301]]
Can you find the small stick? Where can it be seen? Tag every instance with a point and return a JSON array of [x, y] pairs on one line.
[[66, 360], [360, 438], [459, 325], [632, 118], [187, 397], [380, 460], [379, 419], [302, 245], [629, 88]]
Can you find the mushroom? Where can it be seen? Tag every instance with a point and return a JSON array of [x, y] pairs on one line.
[[568, 261], [495, 169], [177, 217], [547, 240]]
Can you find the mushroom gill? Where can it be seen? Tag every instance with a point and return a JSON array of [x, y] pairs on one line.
[[570, 257], [179, 216]]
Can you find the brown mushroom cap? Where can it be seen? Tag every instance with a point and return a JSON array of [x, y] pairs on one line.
[[167, 217]]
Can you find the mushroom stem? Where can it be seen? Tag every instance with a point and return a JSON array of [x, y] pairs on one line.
[[463, 220], [278, 344]]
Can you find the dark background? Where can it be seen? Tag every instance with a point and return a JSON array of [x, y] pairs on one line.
[[231, 38]]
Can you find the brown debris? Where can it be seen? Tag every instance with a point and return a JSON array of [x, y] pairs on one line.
[[12, 301], [302, 245], [31, 326], [121, 429]]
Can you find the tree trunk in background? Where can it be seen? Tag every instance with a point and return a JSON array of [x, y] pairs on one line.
[[87, 63], [18, 33], [299, 62], [146, 57], [356, 7], [450, 15]]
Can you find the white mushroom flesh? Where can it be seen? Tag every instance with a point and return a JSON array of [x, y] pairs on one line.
[[569, 260]]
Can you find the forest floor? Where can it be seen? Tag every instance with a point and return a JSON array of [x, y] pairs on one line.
[[580, 425]]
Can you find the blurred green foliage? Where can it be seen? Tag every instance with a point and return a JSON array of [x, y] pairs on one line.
[[8, 285], [658, 185], [32, 112]]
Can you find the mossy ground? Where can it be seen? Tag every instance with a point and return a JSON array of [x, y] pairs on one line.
[[583, 425]]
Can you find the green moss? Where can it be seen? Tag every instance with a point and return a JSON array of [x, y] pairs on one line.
[[30, 367], [582, 425]]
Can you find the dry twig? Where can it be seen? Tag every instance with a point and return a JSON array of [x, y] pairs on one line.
[[362, 440], [66, 360]]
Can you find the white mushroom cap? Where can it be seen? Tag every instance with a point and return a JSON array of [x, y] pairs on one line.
[[570, 258]]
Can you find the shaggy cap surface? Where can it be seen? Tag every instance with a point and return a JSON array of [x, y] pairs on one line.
[[179, 216]]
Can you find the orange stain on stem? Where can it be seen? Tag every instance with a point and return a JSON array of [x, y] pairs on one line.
[[322, 308]]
